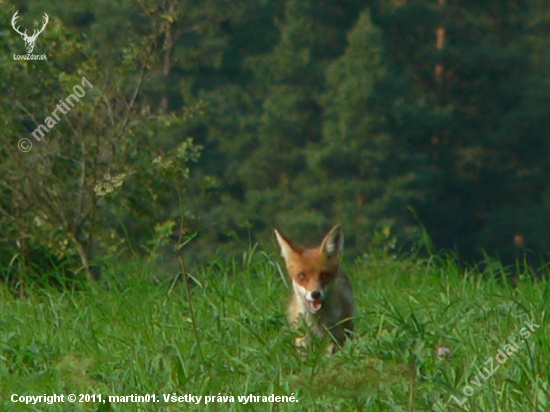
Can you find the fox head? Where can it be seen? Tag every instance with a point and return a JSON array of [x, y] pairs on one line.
[[313, 270]]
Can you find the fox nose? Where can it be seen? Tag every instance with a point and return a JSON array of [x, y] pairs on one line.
[[315, 295]]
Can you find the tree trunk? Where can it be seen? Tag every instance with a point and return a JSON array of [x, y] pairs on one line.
[[86, 260], [24, 259]]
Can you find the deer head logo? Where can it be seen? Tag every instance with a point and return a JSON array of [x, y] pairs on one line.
[[29, 40]]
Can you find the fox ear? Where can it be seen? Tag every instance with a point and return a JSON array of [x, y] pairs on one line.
[[287, 248], [333, 243]]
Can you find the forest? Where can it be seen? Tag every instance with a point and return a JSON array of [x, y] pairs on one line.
[[206, 124], [149, 148]]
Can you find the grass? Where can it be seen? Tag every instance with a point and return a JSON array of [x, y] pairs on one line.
[[226, 335]]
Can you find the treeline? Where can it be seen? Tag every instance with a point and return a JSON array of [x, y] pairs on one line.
[[222, 120]]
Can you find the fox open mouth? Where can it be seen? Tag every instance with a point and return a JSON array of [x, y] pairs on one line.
[[314, 306]]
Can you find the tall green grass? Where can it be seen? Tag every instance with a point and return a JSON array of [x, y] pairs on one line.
[[223, 332]]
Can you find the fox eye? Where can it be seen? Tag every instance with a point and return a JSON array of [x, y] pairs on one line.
[[325, 275], [301, 275]]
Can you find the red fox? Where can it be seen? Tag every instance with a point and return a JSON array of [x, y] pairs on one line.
[[322, 293]]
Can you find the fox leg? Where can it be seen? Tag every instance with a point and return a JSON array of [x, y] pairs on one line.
[[301, 344], [330, 349]]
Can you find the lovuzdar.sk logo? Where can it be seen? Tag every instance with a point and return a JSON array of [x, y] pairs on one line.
[[29, 40]]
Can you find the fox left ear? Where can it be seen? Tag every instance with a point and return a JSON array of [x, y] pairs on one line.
[[287, 248], [333, 243]]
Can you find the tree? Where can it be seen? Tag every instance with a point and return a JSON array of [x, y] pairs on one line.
[[367, 181], [266, 117], [97, 163]]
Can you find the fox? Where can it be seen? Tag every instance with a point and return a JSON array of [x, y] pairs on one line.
[[322, 294]]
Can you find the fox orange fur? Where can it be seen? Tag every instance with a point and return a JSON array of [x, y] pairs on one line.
[[322, 293]]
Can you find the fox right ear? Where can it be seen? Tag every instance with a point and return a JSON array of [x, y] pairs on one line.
[[287, 248], [333, 243]]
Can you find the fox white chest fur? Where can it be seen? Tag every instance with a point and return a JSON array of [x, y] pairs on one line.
[[322, 294]]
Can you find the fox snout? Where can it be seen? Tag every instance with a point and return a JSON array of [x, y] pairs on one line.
[[313, 300], [316, 295]]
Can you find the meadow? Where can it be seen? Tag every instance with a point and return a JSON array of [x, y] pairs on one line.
[[425, 331]]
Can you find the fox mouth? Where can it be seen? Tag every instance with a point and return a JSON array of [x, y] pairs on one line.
[[314, 306]]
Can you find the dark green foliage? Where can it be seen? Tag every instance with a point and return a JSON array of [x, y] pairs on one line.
[[375, 115]]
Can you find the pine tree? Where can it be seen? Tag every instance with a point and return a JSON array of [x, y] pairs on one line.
[[269, 115], [367, 184]]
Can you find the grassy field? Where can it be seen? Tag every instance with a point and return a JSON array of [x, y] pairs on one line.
[[225, 337]]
